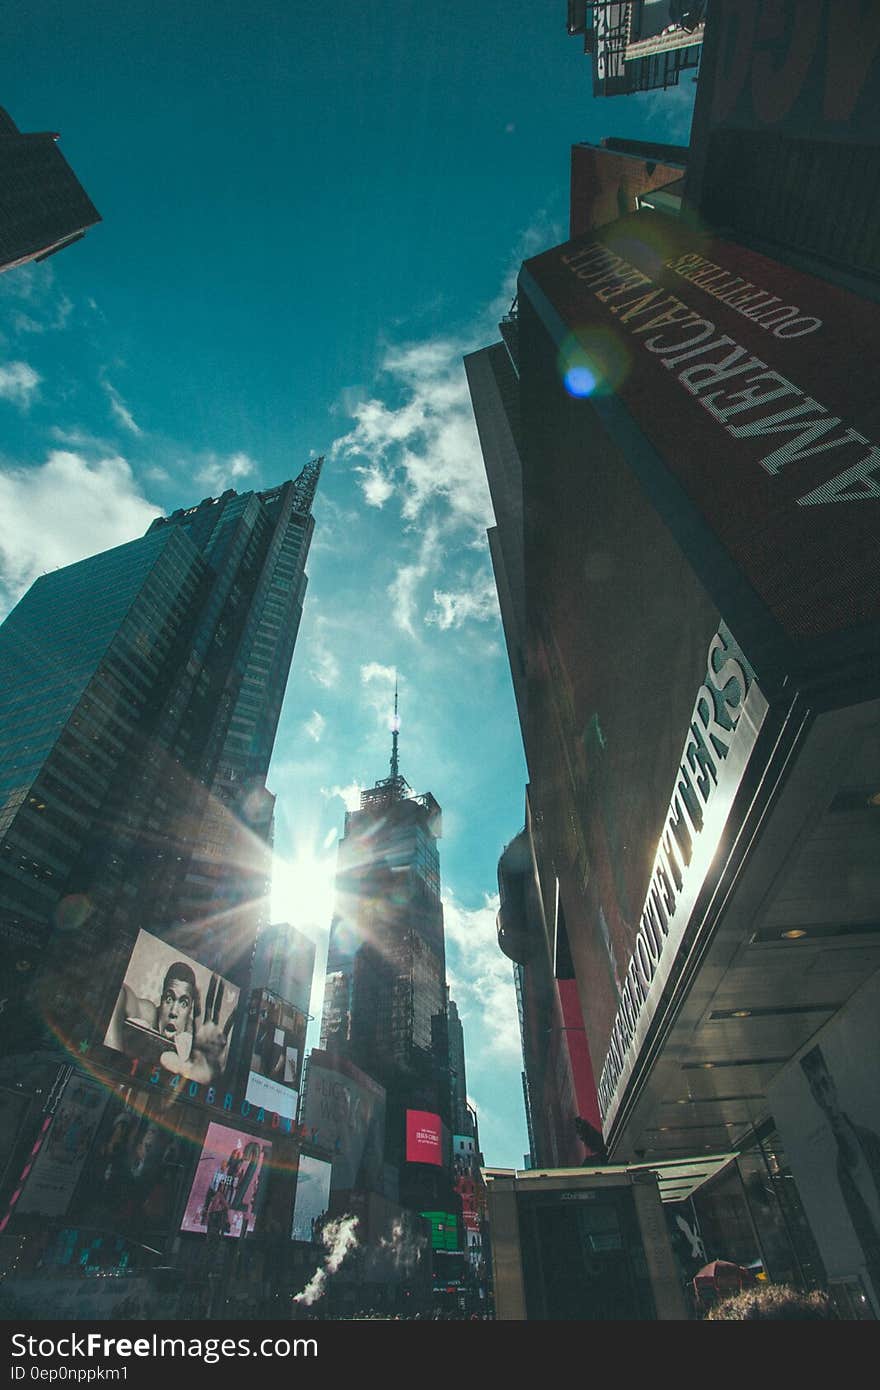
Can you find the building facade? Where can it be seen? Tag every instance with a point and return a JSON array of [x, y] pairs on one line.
[[699, 495], [43, 206], [141, 694]]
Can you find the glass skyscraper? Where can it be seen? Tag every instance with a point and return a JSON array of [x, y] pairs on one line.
[[140, 691]]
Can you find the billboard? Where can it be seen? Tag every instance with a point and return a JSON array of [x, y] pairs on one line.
[[132, 1175], [49, 1185], [344, 1112], [229, 1183], [312, 1198], [827, 1108], [173, 1012], [424, 1138], [610, 36], [753, 385], [274, 1047]]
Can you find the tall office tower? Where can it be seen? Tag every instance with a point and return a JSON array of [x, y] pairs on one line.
[[141, 690], [385, 994], [462, 1118], [43, 206]]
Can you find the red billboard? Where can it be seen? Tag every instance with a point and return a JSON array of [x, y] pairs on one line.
[[753, 386], [424, 1138]]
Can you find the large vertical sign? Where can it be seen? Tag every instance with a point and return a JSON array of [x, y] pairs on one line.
[[610, 35]]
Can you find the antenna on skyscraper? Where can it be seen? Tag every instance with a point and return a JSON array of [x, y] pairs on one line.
[[395, 731]]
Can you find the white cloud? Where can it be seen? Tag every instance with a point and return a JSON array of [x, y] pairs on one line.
[[315, 725], [670, 112], [121, 411], [378, 682], [324, 668], [58, 316], [480, 977], [374, 672], [404, 589], [376, 486], [349, 795], [453, 609], [18, 383], [429, 439], [220, 471], [64, 510]]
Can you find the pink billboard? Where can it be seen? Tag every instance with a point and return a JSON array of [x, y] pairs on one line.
[[229, 1183], [424, 1142]]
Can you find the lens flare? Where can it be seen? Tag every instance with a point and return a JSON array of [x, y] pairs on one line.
[[592, 362]]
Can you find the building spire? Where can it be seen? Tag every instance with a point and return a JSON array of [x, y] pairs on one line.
[[395, 731]]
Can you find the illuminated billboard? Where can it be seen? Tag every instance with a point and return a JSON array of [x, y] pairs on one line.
[[173, 1013], [229, 1183], [344, 1113], [444, 1229], [312, 1198], [274, 1046], [424, 1138]]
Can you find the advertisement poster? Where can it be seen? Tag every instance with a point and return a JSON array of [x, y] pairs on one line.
[[424, 1138], [345, 1113], [229, 1183], [312, 1198], [49, 1185], [275, 1041], [173, 1012], [827, 1109]]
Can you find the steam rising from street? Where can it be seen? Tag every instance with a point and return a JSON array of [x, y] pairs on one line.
[[340, 1238]]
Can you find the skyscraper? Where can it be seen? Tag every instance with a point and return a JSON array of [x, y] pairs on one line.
[[43, 206], [141, 695], [385, 994]]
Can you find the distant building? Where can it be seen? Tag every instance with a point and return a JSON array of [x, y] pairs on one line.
[[284, 963], [43, 206], [385, 994], [641, 45]]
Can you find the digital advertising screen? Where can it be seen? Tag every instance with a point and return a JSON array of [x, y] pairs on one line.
[[312, 1198], [229, 1184], [275, 1041], [424, 1138], [173, 1012], [344, 1112]]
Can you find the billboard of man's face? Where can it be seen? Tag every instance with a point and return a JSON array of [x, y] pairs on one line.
[[173, 1012]]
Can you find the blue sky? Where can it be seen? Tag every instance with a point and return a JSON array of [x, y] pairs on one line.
[[310, 214]]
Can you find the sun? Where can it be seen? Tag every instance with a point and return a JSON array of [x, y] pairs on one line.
[[302, 888]]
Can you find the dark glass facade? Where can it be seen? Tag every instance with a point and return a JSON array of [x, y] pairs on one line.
[[43, 206], [141, 690]]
